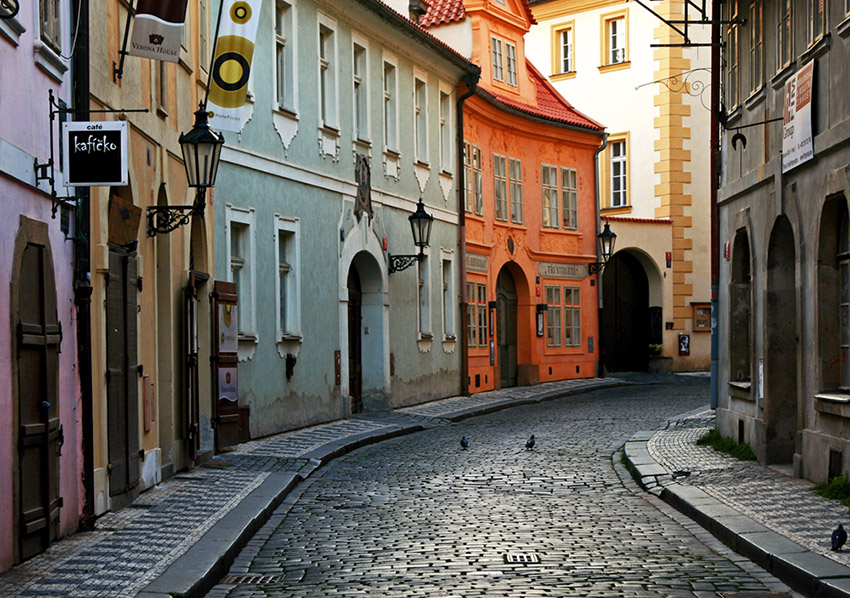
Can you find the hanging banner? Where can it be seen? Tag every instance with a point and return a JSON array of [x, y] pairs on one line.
[[797, 125], [231, 68], [158, 29], [95, 154]]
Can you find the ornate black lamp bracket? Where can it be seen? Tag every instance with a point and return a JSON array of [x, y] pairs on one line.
[[402, 262], [595, 268], [164, 219]]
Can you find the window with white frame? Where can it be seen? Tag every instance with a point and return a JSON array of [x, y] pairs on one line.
[[483, 326], [474, 192], [618, 182], [445, 132], [816, 26], [733, 32], [616, 38], [390, 111], [424, 299], [284, 62], [204, 57], [500, 187], [549, 184], [553, 316], [327, 76], [515, 177], [572, 317], [420, 119], [756, 26], [50, 23], [510, 64], [240, 244], [448, 299], [288, 296], [569, 197], [784, 34], [361, 92], [498, 71], [566, 55]]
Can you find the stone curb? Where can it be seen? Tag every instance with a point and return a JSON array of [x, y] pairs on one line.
[[805, 571], [200, 568]]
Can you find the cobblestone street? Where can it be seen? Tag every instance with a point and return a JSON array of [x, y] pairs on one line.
[[418, 516]]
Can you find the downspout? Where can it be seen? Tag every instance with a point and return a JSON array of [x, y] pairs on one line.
[[471, 83], [82, 276], [596, 186], [714, 184]]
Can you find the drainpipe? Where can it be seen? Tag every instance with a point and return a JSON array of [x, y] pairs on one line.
[[82, 276], [715, 181], [596, 186], [471, 83]]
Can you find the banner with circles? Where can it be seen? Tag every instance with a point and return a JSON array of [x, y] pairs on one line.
[[231, 67]]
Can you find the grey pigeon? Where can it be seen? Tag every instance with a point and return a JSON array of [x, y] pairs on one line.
[[839, 537], [464, 443], [530, 443]]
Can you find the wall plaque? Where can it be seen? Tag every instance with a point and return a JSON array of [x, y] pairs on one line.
[[477, 263], [555, 270]]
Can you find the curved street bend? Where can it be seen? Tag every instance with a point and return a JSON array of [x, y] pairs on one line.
[[419, 516]]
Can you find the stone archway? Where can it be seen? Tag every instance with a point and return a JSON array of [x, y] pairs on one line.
[[625, 314], [506, 328], [781, 346], [366, 335]]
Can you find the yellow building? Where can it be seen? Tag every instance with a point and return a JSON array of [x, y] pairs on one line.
[[654, 171]]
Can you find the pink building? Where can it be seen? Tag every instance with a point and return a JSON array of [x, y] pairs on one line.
[[41, 486]]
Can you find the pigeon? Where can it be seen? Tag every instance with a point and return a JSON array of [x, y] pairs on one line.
[[530, 443], [464, 443], [839, 537]]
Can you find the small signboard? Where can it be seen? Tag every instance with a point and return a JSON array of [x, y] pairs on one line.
[[123, 221], [702, 317], [228, 341], [797, 123], [95, 153], [565, 271]]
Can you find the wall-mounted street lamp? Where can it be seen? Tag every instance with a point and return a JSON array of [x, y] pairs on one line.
[[201, 149], [420, 225], [606, 249]]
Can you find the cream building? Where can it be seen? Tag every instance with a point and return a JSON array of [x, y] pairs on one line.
[[654, 171]]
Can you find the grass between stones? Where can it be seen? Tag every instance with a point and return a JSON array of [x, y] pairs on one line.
[[838, 488], [724, 444]]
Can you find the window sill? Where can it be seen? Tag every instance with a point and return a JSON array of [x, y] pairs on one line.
[[836, 402], [782, 75], [161, 112], [422, 164], [816, 50], [329, 130], [424, 343], [756, 98], [446, 174], [289, 338], [48, 61], [364, 143], [449, 344], [185, 60], [741, 389], [616, 211], [285, 112], [619, 66], [247, 346], [247, 338], [732, 115], [12, 29], [843, 28], [563, 76], [389, 153]]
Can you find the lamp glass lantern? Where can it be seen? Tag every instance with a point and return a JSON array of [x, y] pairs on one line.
[[201, 151], [420, 224], [606, 243]]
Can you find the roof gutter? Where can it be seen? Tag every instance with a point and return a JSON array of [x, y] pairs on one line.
[[511, 110], [597, 183]]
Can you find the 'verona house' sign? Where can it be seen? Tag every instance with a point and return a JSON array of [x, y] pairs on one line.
[[95, 153]]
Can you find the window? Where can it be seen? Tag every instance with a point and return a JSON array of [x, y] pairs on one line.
[[204, 34], [424, 299], [474, 194], [816, 13], [445, 132], [420, 120], [784, 36], [614, 31], [284, 58], [619, 182], [553, 316], [569, 197], [566, 59], [476, 312], [50, 22], [448, 299], [496, 55], [390, 113], [239, 228], [288, 296], [549, 182], [833, 304], [844, 304], [572, 317], [756, 24], [327, 77], [161, 88], [500, 187], [733, 32], [515, 177], [510, 63], [361, 93]]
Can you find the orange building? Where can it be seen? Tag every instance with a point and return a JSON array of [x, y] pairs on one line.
[[530, 214]]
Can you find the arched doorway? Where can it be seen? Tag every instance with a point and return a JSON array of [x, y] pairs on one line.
[[781, 346], [367, 343], [355, 362], [625, 314], [506, 329]]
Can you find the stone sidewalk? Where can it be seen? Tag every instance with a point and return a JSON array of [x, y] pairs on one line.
[[762, 513], [151, 548]]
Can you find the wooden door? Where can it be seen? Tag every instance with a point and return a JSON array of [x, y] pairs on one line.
[[625, 316], [192, 373], [355, 362], [39, 335], [227, 419], [506, 331], [122, 372]]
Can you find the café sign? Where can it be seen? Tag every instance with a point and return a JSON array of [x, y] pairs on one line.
[[95, 153]]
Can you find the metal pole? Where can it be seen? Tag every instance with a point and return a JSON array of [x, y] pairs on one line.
[[212, 57], [715, 182]]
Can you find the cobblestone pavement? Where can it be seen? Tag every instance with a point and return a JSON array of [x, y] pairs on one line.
[[418, 516], [130, 548], [777, 501]]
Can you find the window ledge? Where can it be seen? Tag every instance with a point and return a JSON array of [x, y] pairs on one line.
[[329, 130], [733, 115], [618, 66], [446, 174], [424, 343], [843, 28], [616, 211], [290, 338], [819, 48], [160, 111], [782, 75], [392, 153], [756, 98], [49, 62], [563, 76], [363, 143], [185, 60], [280, 110], [835, 402], [741, 389], [422, 164], [12, 29], [247, 338]]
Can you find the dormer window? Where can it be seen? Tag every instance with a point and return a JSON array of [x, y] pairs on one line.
[[504, 61], [496, 55]]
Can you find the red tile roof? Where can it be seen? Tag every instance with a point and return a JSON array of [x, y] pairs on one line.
[[441, 12], [640, 220], [550, 105]]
